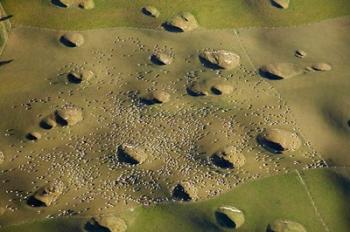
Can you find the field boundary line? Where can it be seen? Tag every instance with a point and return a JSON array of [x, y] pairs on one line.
[[318, 214], [235, 31]]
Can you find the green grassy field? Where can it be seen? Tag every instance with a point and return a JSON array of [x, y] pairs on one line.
[[210, 13], [262, 201]]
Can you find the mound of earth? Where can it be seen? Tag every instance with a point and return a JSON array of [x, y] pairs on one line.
[[285, 226], [46, 195], [279, 71], [79, 77], [222, 89], [284, 4], [184, 192], [322, 67], [132, 155], [2, 157], [279, 140], [69, 116], [87, 4], [182, 22], [197, 89], [84, 4], [48, 122], [162, 58], [219, 59], [229, 217], [300, 53], [34, 136], [228, 158], [151, 11], [156, 97], [72, 39], [105, 223]]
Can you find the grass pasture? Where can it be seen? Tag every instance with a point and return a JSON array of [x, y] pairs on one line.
[[211, 14], [262, 201]]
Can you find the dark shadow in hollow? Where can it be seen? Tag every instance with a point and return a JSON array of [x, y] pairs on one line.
[[124, 157], [268, 75], [273, 3], [180, 194], [6, 18], [215, 91], [58, 3], [170, 28], [60, 121], [193, 93], [73, 79], [156, 61], [66, 42], [5, 62], [95, 227], [224, 221], [221, 162], [33, 202], [208, 64], [272, 147], [146, 12]]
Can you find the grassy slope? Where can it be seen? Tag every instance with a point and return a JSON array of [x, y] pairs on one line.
[[262, 201], [210, 13]]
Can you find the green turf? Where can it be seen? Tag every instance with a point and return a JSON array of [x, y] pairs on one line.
[[210, 13], [262, 202], [332, 204]]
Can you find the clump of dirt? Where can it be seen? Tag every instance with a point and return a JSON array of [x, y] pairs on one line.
[[46, 195], [151, 11], [228, 158], [33, 136], [278, 71], [279, 140], [132, 155], [300, 53], [105, 223], [79, 77], [183, 22], [222, 89], [322, 67], [219, 59], [285, 226], [84, 4], [48, 122], [69, 116], [229, 217], [284, 4], [72, 39], [162, 58], [197, 89], [156, 97]]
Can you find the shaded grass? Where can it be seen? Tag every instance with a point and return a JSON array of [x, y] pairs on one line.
[[210, 13]]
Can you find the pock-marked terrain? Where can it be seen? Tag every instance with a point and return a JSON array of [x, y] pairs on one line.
[[120, 129]]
